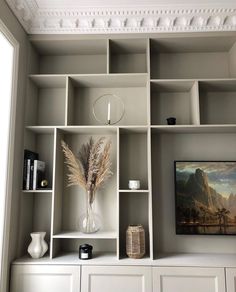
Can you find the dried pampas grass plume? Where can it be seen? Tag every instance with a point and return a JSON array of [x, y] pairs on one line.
[[92, 167]]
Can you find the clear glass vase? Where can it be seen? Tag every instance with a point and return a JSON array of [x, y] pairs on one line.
[[89, 221]]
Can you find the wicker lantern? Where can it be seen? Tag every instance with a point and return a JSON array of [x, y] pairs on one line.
[[135, 241]]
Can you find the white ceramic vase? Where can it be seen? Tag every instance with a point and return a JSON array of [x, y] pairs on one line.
[[38, 245]]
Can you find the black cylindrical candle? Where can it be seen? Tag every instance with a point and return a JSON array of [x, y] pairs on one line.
[[85, 252]]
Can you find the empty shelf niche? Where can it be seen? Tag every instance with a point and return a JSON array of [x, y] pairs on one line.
[[128, 56], [46, 101], [218, 102], [193, 57], [69, 57]]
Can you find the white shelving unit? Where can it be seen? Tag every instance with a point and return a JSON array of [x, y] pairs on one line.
[[192, 78]]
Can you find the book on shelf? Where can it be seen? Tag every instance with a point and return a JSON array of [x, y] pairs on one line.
[[28, 163], [29, 157], [38, 173]]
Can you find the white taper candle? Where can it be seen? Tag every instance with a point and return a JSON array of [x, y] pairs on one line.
[[109, 113]]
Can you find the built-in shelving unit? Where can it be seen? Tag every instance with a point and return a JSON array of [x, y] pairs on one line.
[[192, 78]]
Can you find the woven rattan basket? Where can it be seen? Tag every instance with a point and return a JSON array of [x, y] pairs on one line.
[[135, 241]]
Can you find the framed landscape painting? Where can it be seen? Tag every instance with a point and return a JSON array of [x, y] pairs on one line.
[[205, 197]]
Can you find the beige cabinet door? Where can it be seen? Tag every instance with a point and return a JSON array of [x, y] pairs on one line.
[[188, 279], [231, 279], [45, 278], [116, 279]]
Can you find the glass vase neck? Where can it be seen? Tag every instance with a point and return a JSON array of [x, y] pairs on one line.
[[90, 196], [89, 221]]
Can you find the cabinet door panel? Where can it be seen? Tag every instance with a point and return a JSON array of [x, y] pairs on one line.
[[188, 279], [116, 279], [42, 278], [231, 279]]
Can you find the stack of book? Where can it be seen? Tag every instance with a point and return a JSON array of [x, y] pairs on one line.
[[33, 172]]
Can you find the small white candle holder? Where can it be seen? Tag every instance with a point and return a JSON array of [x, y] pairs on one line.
[[134, 184]]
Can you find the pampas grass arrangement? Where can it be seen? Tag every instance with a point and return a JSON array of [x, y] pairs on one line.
[[91, 168]]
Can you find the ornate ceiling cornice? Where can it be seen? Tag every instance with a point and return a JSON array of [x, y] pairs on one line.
[[36, 20]]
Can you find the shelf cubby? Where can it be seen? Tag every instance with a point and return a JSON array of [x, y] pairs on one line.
[[46, 100], [43, 144], [177, 99], [193, 57], [35, 216], [218, 102], [70, 202], [128, 56], [70, 57], [101, 246], [84, 90], [166, 148], [133, 158], [130, 206]]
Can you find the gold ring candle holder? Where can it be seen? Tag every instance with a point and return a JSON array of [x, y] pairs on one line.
[[108, 109]]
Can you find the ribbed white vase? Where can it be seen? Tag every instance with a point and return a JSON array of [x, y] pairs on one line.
[[38, 246]]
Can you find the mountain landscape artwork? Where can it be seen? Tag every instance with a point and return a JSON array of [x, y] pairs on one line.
[[205, 194]]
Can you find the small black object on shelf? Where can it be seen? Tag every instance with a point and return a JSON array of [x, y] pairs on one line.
[[171, 121], [85, 251]]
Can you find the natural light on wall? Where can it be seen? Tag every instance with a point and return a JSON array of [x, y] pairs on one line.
[[6, 70]]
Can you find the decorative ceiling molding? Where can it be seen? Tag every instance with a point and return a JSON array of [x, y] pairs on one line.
[[38, 20]]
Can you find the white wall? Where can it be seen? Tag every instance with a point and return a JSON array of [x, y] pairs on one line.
[[15, 28], [6, 71]]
